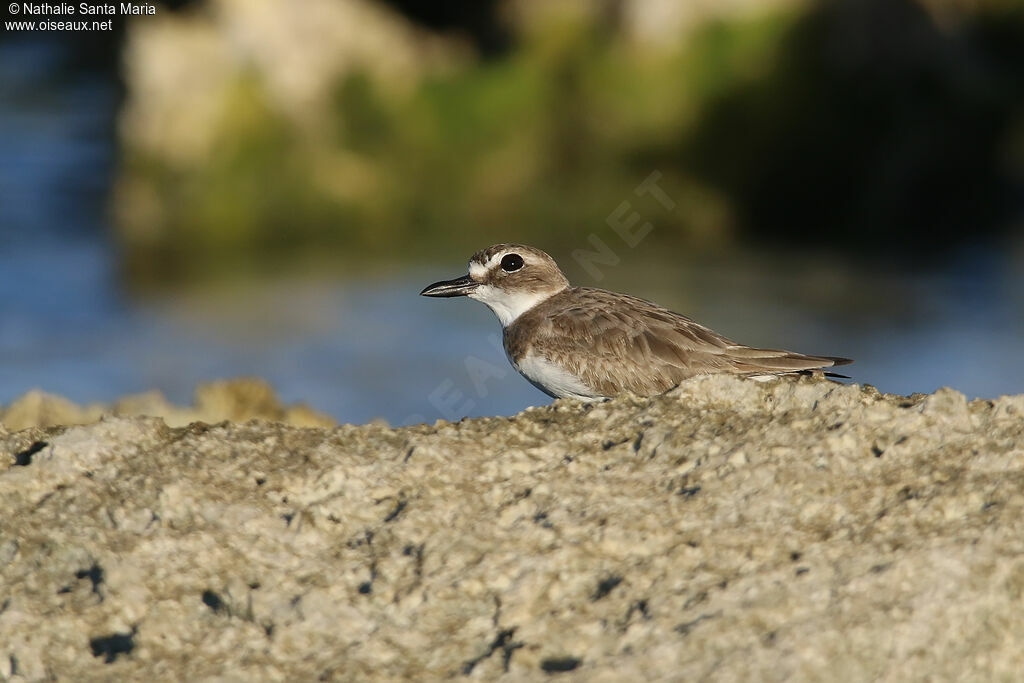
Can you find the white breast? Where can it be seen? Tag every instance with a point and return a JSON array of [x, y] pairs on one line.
[[553, 379]]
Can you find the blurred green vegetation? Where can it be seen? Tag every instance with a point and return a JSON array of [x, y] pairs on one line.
[[863, 125]]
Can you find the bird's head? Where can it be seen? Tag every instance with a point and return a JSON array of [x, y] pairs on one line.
[[510, 278]]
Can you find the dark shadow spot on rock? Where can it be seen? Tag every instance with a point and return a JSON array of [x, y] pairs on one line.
[[506, 652], [800, 571], [695, 599], [13, 661], [503, 641], [255, 586], [638, 606], [366, 588], [260, 481], [609, 444], [393, 515], [688, 491], [63, 589], [541, 518], [686, 627], [876, 451], [112, 646], [557, 665], [24, 458], [606, 586], [95, 576], [795, 555], [213, 601], [415, 552], [879, 568], [268, 629], [288, 517], [906, 493]]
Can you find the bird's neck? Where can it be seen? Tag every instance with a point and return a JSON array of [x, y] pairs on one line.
[[508, 306]]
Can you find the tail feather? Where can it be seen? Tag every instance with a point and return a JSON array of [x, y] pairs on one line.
[[754, 361]]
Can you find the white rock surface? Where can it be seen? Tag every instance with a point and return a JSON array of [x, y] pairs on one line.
[[729, 530]]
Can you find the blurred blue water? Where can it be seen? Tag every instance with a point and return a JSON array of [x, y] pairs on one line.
[[365, 346]]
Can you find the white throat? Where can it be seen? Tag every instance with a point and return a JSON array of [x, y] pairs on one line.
[[508, 305]]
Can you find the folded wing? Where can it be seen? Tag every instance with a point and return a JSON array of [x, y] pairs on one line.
[[647, 349]]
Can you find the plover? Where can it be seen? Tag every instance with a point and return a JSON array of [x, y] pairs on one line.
[[592, 344]]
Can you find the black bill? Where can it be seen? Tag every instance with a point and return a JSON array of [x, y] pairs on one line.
[[460, 286]]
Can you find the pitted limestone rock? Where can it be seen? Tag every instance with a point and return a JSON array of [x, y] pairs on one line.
[[729, 529], [236, 399]]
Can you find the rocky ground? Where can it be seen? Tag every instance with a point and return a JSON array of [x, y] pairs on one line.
[[729, 530], [235, 399]]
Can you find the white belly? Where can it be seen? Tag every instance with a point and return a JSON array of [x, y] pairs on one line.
[[552, 379]]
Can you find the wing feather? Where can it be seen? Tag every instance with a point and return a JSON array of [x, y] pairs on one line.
[[619, 343]]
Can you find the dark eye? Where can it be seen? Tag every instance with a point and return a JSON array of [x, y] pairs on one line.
[[511, 262]]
